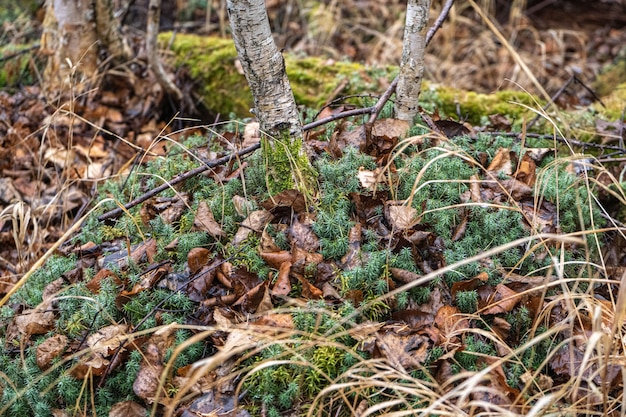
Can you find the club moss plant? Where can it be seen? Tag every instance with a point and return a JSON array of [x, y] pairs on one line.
[[320, 351]]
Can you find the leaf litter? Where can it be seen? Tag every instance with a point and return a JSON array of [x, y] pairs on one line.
[[244, 307]]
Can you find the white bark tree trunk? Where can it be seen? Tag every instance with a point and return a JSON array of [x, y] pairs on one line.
[[73, 34], [275, 107], [412, 64], [264, 67]]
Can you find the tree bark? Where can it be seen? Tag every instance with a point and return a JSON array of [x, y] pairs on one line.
[[275, 106], [264, 67], [412, 63], [152, 31], [73, 34]]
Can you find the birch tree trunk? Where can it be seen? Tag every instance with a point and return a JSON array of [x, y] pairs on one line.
[[73, 34], [412, 63], [275, 106]]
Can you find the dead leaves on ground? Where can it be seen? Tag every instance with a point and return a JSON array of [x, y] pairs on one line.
[[229, 296]]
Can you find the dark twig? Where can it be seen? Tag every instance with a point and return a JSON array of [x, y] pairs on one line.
[[179, 178], [442, 16], [552, 100], [18, 53], [572, 79], [375, 110], [342, 115], [617, 149]]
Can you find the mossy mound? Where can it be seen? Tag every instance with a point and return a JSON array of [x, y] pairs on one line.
[[211, 62]]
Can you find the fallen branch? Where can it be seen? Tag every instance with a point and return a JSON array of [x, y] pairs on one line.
[[179, 178]]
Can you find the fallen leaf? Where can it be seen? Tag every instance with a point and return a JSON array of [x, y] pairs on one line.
[[127, 409], [400, 216], [255, 222], [526, 171], [204, 221], [50, 349], [501, 162], [197, 258], [503, 300], [39, 320], [403, 349], [282, 286], [368, 179]]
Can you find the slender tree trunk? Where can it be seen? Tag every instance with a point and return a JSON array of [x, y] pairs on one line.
[[264, 67], [73, 34], [275, 106], [412, 64]]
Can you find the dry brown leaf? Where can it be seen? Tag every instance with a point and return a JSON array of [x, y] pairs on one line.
[[474, 189], [403, 275], [301, 235], [403, 350], [400, 216], [94, 284], [392, 128], [154, 350], [255, 222], [368, 179], [282, 286], [502, 300], [39, 320], [204, 221], [501, 162], [450, 320], [309, 290], [127, 409], [102, 345], [50, 349], [526, 171], [176, 208], [283, 321], [197, 258], [291, 199], [242, 206], [251, 134], [276, 259]]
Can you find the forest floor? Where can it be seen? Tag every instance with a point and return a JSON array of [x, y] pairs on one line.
[[470, 269]]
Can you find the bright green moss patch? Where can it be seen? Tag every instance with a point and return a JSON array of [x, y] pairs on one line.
[[211, 63]]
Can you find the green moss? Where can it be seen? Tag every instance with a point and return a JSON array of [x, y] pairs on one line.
[[16, 71], [287, 165], [211, 62]]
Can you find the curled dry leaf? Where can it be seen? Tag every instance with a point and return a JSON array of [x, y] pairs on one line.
[[148, 378], [291, 199], [368, 179], [94, 284], [450, 321], [501, 162], [102, 345], [403, 350], [197, 258], [301, 235], [204, 221], [502, 300], [282, 286], [251, 133], [39, 320], [242, 206], [526, 171], [276, 259], [403, 275]]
